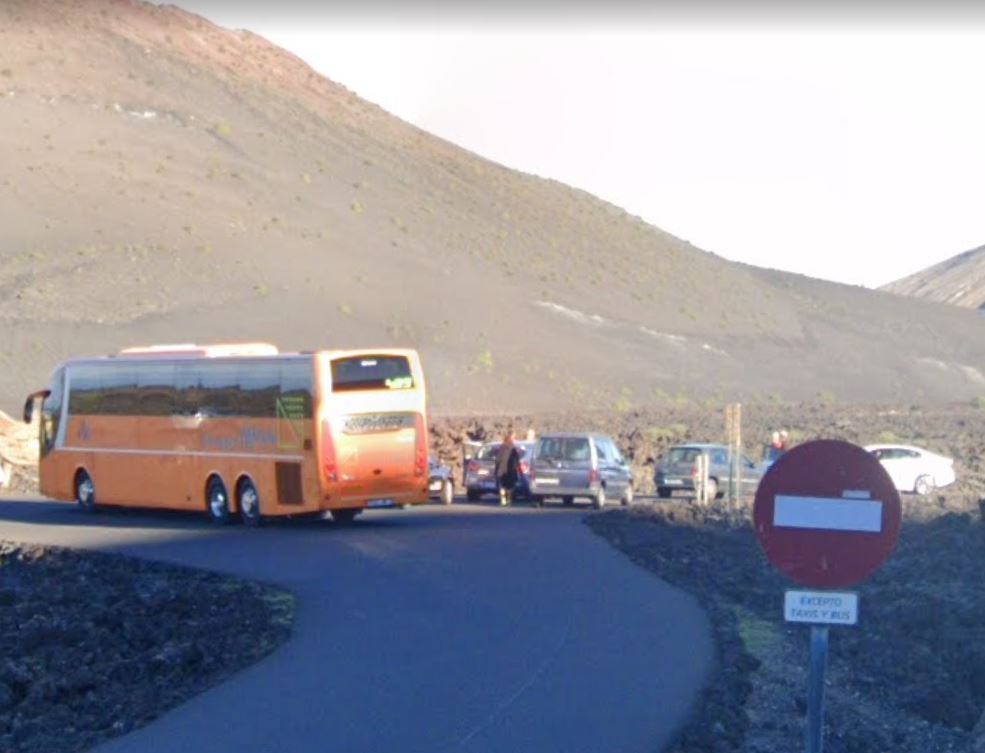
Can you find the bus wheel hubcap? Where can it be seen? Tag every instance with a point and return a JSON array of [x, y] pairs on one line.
[[218, 503], [249, 502]]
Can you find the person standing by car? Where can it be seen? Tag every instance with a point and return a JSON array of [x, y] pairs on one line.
[[507, 468]]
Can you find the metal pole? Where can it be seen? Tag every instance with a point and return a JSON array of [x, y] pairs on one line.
[[815, 689]]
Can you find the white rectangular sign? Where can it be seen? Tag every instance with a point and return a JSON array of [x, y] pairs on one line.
[[828, 513], [821, 607]]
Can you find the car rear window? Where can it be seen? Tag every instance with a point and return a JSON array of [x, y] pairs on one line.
[[683, 454], [490, 451], [487, 452], [564, 448], [371, 373]]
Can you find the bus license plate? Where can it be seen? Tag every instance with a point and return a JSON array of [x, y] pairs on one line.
[[380, 503]]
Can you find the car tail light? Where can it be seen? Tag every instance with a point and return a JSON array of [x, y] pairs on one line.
[[328, 452], [473, 467], [594, 476], [524, 468], [694, 471], [532, 474], [420, 446]]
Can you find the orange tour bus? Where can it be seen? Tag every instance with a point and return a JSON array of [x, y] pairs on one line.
[[238, 430]]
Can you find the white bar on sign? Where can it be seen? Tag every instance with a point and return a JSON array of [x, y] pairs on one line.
[[828, 513], [821, 607]]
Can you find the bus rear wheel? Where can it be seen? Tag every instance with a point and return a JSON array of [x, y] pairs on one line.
[[248, 501], [217, 501], [85, 492]]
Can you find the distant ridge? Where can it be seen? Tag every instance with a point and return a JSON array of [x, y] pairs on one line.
[[167, 180], [959, 280]]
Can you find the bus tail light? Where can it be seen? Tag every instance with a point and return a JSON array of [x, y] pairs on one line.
[[329, 463], [420, 446]]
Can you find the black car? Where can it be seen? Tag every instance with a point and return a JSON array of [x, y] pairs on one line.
[[480, 471]]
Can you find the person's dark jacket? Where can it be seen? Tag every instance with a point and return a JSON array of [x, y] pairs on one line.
[[507, 466]]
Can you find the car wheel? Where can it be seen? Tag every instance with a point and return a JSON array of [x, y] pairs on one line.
[[600, 498], [248, 501], [345, 516], [924, 485], [85, 492], [569, 500], [627, 497], [217, 501], [447, 492], [664, 493], [472, 495]]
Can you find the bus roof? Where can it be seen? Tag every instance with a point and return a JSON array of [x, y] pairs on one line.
[[236, 350], [206, 351]]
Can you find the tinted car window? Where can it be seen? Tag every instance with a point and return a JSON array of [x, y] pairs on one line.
[[683, 454], [487, 452], [602, 448], [617, 455], [564, 448]]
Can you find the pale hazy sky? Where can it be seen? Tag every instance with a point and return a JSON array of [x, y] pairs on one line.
[[847, 145]]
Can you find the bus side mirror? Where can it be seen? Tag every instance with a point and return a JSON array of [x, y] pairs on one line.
[[29, 404]]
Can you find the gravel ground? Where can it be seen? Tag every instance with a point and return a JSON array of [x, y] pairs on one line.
[[89, 647], [910, 678]]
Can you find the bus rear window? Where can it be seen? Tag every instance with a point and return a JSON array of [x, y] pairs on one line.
[[371, 373]]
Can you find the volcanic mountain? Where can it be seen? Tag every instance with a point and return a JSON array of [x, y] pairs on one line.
[[959, 280], [167, 180]]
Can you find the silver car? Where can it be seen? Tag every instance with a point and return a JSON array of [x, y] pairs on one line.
[[678, 470], [579, 465]]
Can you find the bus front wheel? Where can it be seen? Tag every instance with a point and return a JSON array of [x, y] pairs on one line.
[[249, 503], [217, 501], [85, 491]]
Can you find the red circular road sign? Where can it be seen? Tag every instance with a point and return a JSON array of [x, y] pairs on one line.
[[827, 514]]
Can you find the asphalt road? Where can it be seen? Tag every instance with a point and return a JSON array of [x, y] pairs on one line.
[[467, 628]]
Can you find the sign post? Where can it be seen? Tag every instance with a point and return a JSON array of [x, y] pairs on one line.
[[827, 515], [733, 430], [815, 688]]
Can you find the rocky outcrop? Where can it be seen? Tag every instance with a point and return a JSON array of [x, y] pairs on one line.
[[959, 280], [18, 447]]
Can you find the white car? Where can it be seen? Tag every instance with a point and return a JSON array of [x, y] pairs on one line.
[[913, 469]]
